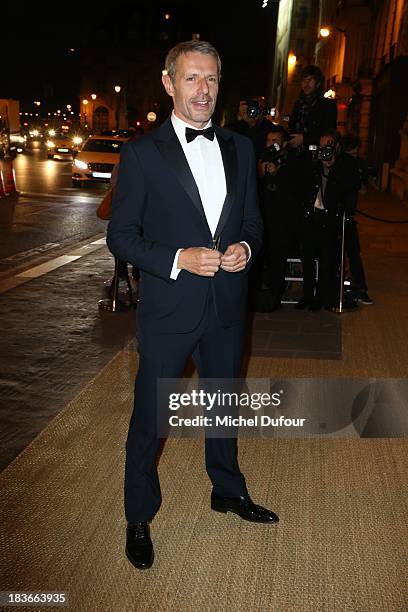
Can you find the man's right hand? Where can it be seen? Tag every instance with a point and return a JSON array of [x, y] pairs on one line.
[[199, 260]]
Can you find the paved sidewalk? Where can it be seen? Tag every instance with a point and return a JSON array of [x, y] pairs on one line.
[[54, 341]]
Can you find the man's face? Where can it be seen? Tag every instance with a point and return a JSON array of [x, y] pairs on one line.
[[195, 88], [275, 137], [309, 85], [328, 141]]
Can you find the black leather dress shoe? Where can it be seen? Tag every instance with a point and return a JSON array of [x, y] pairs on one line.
[[244, 507], [139, 546]]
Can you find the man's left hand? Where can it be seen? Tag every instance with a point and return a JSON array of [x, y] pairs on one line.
[[235, 258]]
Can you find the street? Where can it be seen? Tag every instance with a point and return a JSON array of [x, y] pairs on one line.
[[53, 257], [49, 214]]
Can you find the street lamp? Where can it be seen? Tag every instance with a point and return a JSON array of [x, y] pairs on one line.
[[325, 31], [92, 110], [85, 102], [117, 89], [291, 61]]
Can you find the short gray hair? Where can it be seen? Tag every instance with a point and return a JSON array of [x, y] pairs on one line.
[[190, 46]]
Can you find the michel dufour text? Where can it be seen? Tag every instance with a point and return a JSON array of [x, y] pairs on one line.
[[218, 401]]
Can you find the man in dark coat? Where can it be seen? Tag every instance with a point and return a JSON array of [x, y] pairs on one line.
[[281, 211], [185, 213], [330, 188], [313, 113], [251, 122]]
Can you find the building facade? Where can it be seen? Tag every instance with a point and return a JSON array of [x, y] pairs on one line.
[[361, 47]]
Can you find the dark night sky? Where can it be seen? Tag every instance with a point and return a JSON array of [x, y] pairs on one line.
[[39, 35]]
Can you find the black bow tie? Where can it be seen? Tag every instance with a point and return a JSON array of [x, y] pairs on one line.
[[207, 133]]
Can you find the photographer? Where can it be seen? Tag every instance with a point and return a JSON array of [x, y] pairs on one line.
[[251, 122], [330, 183], [280, 209], [312, 113]]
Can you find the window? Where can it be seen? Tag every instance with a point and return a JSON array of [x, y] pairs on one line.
[[103, 145]]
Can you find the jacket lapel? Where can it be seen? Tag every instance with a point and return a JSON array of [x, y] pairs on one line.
[[169, 146], [229, 158], [172, 151]]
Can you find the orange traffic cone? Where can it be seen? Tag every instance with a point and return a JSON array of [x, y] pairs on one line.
[[2, 190], [10, 182]]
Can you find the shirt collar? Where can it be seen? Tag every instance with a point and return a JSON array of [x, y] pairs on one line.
[[180, 127]]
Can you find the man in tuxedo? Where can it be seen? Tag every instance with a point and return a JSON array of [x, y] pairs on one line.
[[185, 213]]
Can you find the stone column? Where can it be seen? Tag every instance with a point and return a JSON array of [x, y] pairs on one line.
[[365, 111], [399, 173]]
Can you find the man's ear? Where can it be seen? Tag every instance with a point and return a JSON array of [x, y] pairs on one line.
[[168, 84]]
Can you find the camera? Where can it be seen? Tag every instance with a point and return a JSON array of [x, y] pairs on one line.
[[326, 153], [253, 109], [274, 154]]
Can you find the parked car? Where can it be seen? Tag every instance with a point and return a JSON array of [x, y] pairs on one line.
[[96, 159], [62, 146], [18, 142]]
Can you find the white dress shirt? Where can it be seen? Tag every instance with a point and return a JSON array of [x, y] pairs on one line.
[[205, 161]]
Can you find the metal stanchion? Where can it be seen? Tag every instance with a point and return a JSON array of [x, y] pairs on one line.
[[342, 306], [113, 303], [339, 308]]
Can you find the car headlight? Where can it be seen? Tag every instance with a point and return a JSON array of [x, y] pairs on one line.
[[52, 132], [50, 144], [80, 164], [35, 133], [77, 140]]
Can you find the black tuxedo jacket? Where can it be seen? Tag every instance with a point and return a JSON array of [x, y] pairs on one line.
[[322, 116], [157, 209], [342, 186]]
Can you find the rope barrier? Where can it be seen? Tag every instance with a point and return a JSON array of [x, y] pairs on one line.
[[360, 212]]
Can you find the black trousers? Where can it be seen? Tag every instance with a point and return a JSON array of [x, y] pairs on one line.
[[282, 239], [165, 356], [352, 249], [320, 240]]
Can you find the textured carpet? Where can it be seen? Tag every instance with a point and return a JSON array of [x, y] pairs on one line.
[[339, 546]]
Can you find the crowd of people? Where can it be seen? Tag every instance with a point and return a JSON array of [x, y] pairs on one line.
[[308, 178]]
